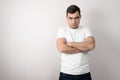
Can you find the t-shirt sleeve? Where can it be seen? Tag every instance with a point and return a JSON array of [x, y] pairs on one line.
[[60, 33], [87, 32]]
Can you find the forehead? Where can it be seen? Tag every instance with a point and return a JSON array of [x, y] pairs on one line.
[[76, 14]]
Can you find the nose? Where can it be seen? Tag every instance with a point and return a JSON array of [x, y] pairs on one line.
[[73, 21]]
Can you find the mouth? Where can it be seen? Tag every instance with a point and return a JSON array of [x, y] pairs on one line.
[[74, 25]]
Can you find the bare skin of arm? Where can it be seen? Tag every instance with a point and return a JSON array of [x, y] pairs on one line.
[[87, 45], [64, 48]]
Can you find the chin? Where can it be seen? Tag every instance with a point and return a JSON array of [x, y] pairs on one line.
[[74, 27]]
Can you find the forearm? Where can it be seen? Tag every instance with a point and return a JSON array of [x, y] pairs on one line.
[[83, 46], [87, 45], [69, 50]]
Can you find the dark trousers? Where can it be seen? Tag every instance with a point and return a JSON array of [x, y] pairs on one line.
[[64, 76]]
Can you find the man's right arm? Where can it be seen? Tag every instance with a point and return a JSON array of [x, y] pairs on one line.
[[64, 48]]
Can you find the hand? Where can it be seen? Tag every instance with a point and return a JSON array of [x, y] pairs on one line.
[[69, 44]]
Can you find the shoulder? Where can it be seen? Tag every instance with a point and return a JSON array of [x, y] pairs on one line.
[[84, 28], [62, 29], [61, 32]]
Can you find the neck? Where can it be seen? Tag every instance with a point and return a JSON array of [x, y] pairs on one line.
[[73, 27]]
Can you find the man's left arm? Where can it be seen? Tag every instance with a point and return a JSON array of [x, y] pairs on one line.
[[87, 45]]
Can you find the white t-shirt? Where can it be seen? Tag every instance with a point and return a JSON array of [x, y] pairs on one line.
[[74, 64]]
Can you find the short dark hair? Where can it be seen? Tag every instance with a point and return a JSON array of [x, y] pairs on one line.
[[72, 9]]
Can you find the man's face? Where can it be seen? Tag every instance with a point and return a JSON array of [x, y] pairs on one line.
[[73, 20]]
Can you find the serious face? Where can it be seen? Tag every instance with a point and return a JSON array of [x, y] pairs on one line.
[[73, 20]]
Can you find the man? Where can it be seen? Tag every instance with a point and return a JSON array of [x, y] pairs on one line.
[[74, 42]]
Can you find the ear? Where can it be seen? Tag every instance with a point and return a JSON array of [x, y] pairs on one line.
[[80, 16], [66, 17]]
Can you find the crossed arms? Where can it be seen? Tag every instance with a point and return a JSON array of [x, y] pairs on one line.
[[75, 47]]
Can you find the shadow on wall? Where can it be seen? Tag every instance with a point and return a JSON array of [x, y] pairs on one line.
[[104, 61]]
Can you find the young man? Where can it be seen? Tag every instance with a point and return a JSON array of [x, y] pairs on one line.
[[74, 42]]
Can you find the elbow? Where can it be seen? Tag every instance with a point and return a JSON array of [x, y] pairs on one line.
[[92, 46], [61, 50]]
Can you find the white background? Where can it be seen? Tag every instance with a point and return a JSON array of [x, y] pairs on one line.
[[28, 38]]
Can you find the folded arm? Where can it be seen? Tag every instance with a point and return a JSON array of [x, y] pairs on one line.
[[87, 45], [64, 48]]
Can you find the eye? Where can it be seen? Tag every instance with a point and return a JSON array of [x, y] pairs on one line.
[[76, 17], [70, 18]]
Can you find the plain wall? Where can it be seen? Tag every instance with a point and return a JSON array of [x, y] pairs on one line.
[[28, 38]]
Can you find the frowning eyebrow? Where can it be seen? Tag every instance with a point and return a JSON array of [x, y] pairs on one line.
[[70, 17], [73, 17]]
